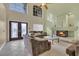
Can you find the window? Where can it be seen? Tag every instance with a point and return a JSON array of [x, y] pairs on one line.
[[37, 11], [18, 7]]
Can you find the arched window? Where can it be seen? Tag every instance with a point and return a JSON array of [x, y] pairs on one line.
[[18, 7]]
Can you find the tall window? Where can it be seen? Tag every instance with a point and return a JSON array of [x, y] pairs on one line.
[[18, 7], [37, 11]]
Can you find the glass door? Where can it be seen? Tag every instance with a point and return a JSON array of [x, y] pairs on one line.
[[17, 30], [13, 30], [23, 29]]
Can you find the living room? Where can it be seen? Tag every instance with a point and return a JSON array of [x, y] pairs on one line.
[[54, 21]]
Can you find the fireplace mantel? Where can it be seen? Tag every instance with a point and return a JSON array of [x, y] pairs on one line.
[[66, 28]]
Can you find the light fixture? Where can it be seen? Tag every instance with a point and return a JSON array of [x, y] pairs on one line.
[[44, 5]]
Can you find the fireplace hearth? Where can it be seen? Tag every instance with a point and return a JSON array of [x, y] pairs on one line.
[[62, 33]]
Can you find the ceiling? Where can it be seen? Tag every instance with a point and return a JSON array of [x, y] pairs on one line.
[[61, 8]]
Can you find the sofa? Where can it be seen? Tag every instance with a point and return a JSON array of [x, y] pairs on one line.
[[40, 46], [73, 50], [36, 44]]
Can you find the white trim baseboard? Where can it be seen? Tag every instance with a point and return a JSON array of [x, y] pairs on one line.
[[2, 46]]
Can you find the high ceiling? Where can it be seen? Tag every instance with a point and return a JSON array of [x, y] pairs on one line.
[[61, 8]]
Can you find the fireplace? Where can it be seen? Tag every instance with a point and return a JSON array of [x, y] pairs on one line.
[[62, 33]]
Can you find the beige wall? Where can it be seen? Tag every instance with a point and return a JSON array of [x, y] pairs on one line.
[[2, 24], [49, 18], [15, 16]]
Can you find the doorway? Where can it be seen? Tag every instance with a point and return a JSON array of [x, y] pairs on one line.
[[17, 30]]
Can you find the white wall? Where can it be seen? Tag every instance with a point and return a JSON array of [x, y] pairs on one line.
[[61, 10]]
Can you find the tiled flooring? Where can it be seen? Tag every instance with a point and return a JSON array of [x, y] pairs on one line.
[[13, 48], [16, 48], [56, 50]]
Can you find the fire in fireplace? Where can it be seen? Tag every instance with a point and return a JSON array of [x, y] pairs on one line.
[[62, 33]]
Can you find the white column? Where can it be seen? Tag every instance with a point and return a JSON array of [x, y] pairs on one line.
[[67, 21]]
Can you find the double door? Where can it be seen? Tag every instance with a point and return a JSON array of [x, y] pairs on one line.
[[17, 30]]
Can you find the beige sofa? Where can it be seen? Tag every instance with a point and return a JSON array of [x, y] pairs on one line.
[[40, 46]]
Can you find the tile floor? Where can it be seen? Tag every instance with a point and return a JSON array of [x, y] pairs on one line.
[[16, 48], [13, 48], [57, 49]]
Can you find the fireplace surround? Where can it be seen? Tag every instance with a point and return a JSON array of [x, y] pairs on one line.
[[62, 33]]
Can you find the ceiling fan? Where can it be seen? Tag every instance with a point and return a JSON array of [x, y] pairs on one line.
[[44, 5]]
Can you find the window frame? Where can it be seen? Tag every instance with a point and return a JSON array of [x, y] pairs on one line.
[[17, 7], [37, 11]]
